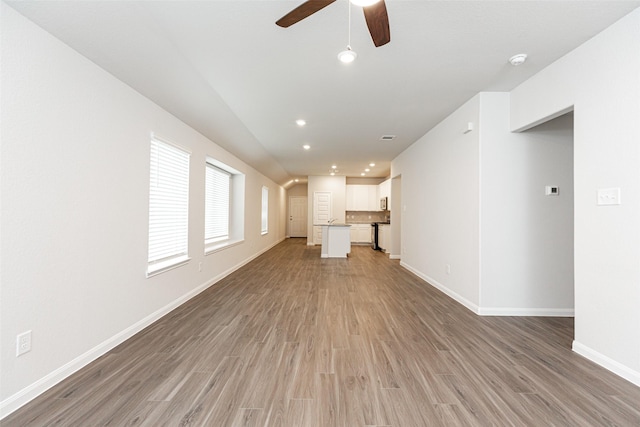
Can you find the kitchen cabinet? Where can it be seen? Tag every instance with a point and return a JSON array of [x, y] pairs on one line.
[[384, 190], [360, 233], [317, 234], [384, 237], [362, 198], [335, 241]]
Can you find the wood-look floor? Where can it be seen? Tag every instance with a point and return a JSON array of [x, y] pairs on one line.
[[295, 340]]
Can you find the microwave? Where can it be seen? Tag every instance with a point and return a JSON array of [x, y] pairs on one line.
[[383, 204]]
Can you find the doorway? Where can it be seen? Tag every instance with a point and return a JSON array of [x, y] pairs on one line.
[[297, 216], [321, 213]]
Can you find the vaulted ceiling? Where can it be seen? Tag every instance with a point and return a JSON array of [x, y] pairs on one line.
[[227, 70]]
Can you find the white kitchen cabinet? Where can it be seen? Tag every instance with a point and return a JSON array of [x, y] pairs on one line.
[[317, 235], [335, 241], [373, 199], [362, 198], [384, 237], [385, 191], [360, 233]]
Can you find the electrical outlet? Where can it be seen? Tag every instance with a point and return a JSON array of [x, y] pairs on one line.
[[23, 343], [448, 268], [608, 196], [200, 266]]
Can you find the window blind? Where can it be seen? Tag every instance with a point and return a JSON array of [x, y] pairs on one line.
[[217, 197], [265, 210], [168, 206]]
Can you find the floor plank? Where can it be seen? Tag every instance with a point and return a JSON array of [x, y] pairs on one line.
[[292, 339]]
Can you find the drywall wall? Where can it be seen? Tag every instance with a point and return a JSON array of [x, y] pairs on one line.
[[474, 218], [74, 185], [526, 239], [600, 80], [337, 186], [440, 208]]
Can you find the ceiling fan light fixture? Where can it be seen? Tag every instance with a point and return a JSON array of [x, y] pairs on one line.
[[364, 3], [347, 56]]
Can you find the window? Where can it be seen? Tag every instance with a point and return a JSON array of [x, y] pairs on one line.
[[265, 210], [168, 207], [224, 206], [217, 192]]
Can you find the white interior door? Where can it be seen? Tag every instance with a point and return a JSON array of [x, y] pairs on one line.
[[321, 213], [321, 207], [297, 216]]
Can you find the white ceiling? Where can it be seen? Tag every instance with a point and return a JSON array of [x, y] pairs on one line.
[[227, 70]]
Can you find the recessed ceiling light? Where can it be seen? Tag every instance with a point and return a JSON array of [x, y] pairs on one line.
[[362, 174], [518, 59], [306, 146], [296, 180], [301, 122], [372, 164], [332, 173], [367, 170], [333, 166]]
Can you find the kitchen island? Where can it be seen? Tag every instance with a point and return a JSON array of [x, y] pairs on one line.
[[336, 242]]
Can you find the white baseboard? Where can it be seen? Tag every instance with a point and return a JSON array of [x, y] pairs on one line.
[[532, 312], [470, 305], [394, 256], [607, 363], [24, 396], [492, 311]]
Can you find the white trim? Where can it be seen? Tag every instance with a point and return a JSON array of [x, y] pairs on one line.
[[492, 311], [616, 367], [532, 312], [394, 256], [208, 250], [161, 267], [459, 298], [27, 394]]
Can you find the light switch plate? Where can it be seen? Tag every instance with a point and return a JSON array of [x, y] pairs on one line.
[[608, 196]]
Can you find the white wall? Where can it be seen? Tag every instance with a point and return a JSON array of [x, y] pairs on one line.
[[475, 202], [526, 237], [74, 191], [601, 80], [440, 205], [337, 186]]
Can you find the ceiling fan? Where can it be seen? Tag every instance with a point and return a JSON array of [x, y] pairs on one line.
[[375, 15]]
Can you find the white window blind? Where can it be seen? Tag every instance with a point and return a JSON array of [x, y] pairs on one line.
[[168, 206], [217, 196], [265, 210]]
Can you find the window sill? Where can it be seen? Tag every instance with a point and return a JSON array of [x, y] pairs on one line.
[[264, 233], [167, 265], [216, 247]]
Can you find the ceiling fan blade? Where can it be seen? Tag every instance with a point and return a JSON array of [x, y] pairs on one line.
[[378, 23], [306, 9]]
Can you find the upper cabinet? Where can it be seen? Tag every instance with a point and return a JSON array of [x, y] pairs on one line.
[[384, 190], [362, 198]]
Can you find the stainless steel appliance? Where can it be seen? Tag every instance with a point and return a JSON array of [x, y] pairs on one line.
[[374, 236], [383, 204]]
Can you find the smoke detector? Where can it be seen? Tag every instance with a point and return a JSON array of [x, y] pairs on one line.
[[518, 59]]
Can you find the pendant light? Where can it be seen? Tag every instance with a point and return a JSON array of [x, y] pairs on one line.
[[349, 55]]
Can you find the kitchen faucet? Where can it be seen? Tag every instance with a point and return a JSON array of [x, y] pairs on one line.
[[332, 220]]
